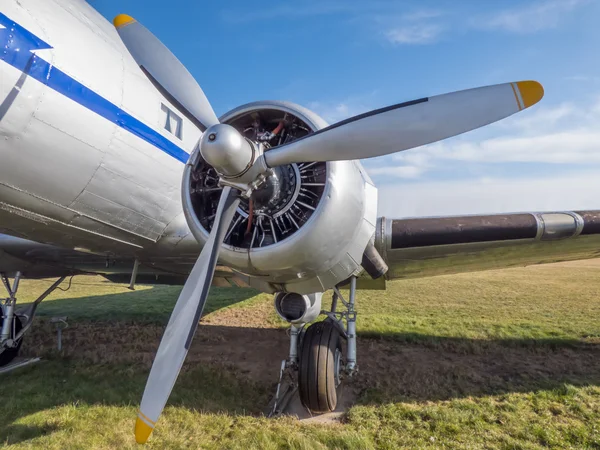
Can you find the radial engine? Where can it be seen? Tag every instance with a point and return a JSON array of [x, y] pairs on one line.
[[307, 227]]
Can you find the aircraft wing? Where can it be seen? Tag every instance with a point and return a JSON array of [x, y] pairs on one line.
[[412, 248], [36, 260], [420, 247]]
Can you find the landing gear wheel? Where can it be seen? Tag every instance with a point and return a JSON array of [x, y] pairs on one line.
[[320, 366], [11, 353]]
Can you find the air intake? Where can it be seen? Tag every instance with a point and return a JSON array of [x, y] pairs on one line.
[[292, 306], [296, 308]]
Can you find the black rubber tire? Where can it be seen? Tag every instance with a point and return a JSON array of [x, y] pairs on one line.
[[11, 353], [316, 374]]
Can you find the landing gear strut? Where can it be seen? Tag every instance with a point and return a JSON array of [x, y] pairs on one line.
[[316, 365], [14, 323]]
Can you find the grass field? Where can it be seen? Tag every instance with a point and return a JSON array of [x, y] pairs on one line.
[[499, 359]]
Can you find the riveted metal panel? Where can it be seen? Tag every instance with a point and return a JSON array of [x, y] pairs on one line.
[[119, 201], [48, 162]]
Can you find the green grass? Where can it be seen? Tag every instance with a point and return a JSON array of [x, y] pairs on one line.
[[500, 359], [94, 298], [559, 301]]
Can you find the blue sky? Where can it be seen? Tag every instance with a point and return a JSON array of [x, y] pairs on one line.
[[341, 58]]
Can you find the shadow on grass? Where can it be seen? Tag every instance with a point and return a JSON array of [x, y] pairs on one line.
[[233, 370], [152, 305], [14, 433]]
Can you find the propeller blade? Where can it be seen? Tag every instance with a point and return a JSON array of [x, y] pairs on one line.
[[165, 71], [182, 325], [408, 125]]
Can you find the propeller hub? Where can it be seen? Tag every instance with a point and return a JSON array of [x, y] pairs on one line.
[[224, 148]]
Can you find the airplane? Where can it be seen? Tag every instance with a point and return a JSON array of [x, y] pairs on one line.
[[113, 162]]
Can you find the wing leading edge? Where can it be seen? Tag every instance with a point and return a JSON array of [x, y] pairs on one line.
[[424, 247]]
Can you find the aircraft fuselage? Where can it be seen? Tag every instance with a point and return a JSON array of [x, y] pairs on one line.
[[86, 160]]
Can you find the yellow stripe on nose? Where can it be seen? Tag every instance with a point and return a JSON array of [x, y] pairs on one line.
[[531, 92], [142, 431], [122, 19]]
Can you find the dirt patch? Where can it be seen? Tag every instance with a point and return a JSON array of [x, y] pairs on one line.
[[389, 370], [259, 315], [252, 352], [400, 372]]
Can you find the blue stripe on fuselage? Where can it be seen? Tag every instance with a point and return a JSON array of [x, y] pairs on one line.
[[18, 43]]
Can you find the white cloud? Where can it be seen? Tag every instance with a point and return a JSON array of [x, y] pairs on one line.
[[421, 26], [545, 119], [572, 146], [392, 21], [564, 134], [573, 191], [414, 34], [428, 26], [397, 171], [528, 19]]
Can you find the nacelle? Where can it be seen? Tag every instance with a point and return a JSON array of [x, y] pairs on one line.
[[306, 228]]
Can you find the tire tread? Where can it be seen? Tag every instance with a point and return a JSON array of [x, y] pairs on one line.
[[316, 375]]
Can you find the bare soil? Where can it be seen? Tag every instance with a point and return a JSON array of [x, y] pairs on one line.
[[390, 370]]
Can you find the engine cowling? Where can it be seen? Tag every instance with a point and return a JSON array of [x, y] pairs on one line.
[[306, 228]]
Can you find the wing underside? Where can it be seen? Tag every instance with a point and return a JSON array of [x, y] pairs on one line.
[[36, 260], [423, 247]]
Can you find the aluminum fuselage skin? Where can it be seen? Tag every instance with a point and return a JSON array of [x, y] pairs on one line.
[[73, 177]]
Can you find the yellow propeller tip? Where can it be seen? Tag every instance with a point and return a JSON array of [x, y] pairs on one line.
[[122, 19], [531, 92], [142, 431]]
